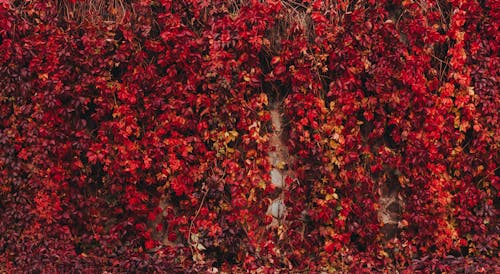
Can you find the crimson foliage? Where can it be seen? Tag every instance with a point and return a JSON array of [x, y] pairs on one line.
[[102, 123]]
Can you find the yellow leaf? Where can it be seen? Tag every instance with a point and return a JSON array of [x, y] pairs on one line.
[[263, 98], [331, 196], [234, 133], [332, 143], [251, 197], [383, 253], [43, 76], [464, 125]]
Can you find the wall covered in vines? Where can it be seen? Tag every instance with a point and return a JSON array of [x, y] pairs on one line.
[[136, 138]]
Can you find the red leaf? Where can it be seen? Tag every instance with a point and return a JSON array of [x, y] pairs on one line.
[[149, 244]]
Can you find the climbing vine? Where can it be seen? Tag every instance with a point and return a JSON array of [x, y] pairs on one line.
[[137, 137]]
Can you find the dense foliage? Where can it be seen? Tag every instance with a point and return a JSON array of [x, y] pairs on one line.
[[141, 143]]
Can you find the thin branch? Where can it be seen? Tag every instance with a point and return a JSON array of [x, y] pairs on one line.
[[191, 243], [486, 177]]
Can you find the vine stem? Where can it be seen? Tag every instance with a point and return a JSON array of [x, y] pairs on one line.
[[191, 242]]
